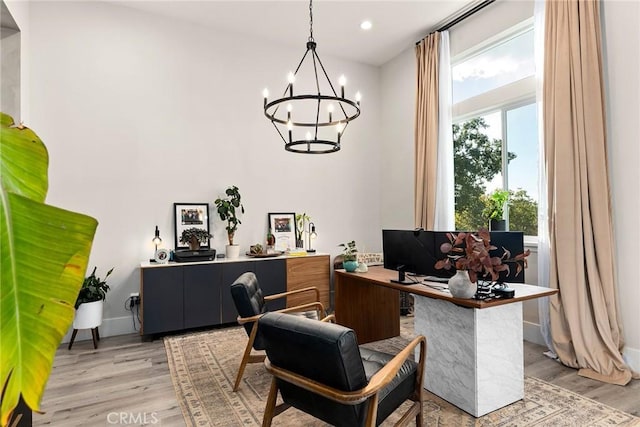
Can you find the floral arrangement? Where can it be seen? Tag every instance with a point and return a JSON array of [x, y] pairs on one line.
[[470, 251]]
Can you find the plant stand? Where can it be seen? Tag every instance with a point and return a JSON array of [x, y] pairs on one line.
[[88, 316], [95, 335]]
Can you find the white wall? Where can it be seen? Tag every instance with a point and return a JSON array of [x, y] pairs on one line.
[[139, 112], [621, 45], [621, 21]]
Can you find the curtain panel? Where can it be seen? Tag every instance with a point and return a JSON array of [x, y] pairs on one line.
[[426, 131], [586, 326]]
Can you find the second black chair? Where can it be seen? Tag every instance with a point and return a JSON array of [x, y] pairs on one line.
[[251, 303]]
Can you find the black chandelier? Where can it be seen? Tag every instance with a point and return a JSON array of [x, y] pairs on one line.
[[314, 123]]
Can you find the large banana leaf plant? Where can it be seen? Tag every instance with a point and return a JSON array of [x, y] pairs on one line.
[[43, 259]]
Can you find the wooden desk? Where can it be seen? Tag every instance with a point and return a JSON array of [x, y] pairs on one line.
[[475, 354]]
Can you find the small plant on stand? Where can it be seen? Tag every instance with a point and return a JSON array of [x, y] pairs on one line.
[[349, 256], [493, 211]]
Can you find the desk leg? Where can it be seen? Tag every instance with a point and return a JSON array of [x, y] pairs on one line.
[[373, 312], [475, 358]]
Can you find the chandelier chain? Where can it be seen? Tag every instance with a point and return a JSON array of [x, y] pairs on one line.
[[310, 20]]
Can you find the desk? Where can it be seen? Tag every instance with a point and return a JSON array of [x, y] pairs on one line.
[[475, 354]]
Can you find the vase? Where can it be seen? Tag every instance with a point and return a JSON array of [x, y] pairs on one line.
[[350, 266], [194, 243], [497, 225], [299, 243], [88, 315], [461, 286], [232, 251]]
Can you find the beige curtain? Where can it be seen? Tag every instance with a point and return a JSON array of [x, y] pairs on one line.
[[585, 322], [426, 131]]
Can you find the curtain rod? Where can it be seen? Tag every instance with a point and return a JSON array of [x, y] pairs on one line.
[[462, 17]]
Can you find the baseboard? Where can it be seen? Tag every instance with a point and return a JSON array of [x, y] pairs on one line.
[[531, 332], [109, 327], [632, 357]]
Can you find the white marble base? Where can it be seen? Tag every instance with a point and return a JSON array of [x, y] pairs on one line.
[[475, 357]]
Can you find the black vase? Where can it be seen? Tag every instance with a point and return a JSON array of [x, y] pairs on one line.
[[497, 225]]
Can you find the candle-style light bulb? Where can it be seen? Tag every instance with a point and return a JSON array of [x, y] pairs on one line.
[[290, 127], [308, 136], [342, 81], [330, 109], [339, 128], [291, 78], [265, 94], [358, 97]]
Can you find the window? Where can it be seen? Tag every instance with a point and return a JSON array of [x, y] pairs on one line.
[[495, 131]]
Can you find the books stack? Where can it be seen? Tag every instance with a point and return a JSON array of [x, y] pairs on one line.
[[296, 252]]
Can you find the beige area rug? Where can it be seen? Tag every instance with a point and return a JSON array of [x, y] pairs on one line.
[[203, 368]]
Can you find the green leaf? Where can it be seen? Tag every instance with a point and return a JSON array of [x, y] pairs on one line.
[[23, 161], [44, 253]]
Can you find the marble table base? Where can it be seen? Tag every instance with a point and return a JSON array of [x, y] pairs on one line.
[[475, 357]]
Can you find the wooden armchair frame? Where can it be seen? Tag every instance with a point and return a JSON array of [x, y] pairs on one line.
[[370, 391], [247, 356]]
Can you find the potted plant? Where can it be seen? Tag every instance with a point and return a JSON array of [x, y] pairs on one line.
[[300, 219], [195, 237], [469, 254], [493, 211], [226, 208], [90, 304], [349, 256]]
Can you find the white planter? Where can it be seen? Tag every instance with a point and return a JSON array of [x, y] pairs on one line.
[[232, 251], [88, 315]]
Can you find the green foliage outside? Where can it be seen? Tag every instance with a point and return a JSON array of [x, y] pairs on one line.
[[477, 160]]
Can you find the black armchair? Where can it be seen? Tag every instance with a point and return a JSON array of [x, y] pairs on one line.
[[320, 369], [251, 304]]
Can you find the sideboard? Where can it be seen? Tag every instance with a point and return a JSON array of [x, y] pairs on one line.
[[179, 296]]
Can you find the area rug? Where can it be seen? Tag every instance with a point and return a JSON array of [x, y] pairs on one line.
[[204, 365]]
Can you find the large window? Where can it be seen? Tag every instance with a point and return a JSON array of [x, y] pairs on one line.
[[495, 131]]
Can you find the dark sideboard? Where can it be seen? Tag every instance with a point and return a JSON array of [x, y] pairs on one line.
[[179, 296]]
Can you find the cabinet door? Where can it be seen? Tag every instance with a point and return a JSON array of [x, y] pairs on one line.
[[230, 272], [202, 295], [272, 276], [308, 271], [162, 299]]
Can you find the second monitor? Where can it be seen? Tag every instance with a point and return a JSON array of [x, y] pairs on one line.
[[417, 251]]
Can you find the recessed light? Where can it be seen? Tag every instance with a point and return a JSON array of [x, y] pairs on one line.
[[366, 25]]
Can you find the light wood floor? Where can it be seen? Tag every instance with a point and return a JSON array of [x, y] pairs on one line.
[[127, 382]]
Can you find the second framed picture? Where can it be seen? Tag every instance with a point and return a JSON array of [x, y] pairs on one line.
[[283, 227]]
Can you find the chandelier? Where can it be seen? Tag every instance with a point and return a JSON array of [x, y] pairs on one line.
[[309, 120]]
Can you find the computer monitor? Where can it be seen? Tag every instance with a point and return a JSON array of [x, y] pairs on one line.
[[417, 251], [513, 241], [409, 251]]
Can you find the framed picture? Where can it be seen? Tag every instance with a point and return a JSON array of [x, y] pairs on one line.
[[190, 215], [283, 227]]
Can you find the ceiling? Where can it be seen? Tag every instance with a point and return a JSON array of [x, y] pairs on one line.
[[397, 24]]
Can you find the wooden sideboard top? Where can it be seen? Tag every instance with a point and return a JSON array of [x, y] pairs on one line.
[[241, 258], [380, 276]]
